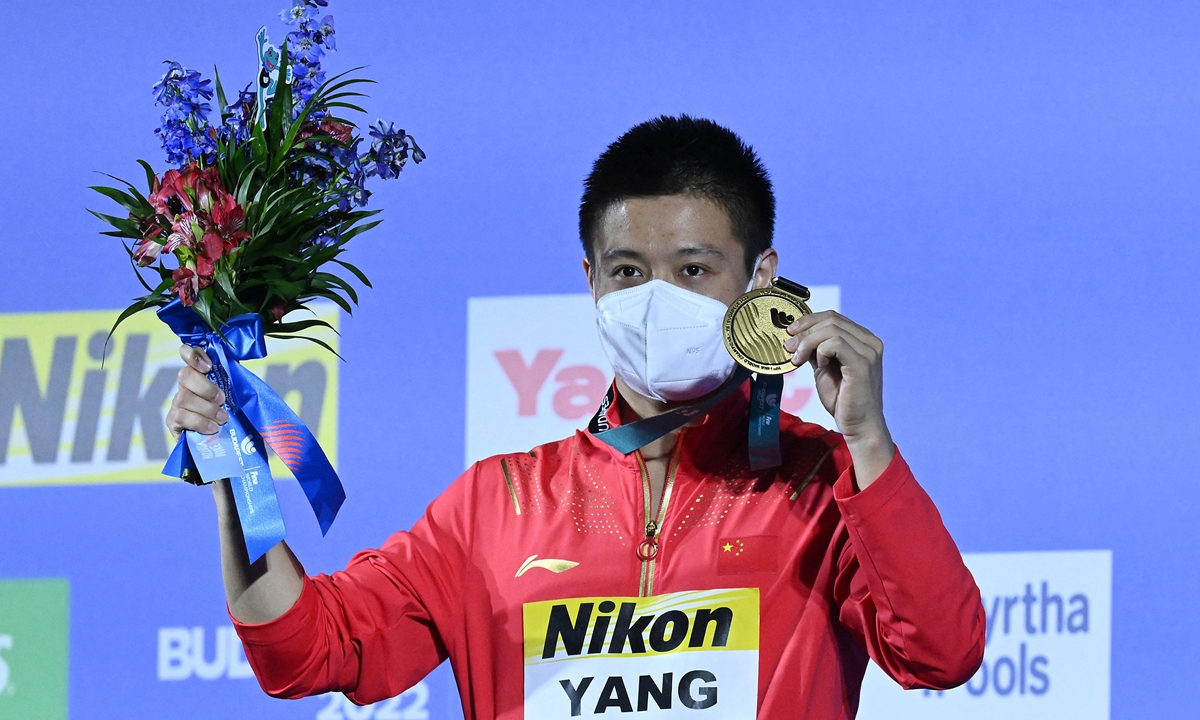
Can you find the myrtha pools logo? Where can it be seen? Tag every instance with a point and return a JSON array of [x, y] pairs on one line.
[[1047, 655]]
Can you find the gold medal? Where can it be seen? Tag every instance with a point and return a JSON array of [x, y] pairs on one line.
[[755, 326]]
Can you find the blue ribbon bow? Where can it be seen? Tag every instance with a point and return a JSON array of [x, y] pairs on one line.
[[256, 415]]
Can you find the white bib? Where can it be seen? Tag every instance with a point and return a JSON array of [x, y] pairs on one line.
[[689, 654]]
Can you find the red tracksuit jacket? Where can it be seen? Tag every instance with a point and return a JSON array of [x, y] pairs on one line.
[[837, 575]]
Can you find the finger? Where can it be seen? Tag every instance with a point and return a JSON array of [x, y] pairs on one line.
[[194, 381], [808, 344], [844, 325], [809, 322], [180, 419], [187, 400], [822, 329], [863, 335], [839, 348], [195, 358]]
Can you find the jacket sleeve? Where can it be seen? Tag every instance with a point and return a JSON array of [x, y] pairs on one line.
[[372, 630], [902, 588]]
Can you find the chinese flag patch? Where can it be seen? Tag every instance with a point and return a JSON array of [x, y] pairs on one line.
[[756, 553]]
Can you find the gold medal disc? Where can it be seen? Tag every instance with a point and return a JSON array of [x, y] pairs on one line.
[[755, 326]]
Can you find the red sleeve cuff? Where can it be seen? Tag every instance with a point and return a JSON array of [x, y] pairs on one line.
[[300, 617], [859, 504]]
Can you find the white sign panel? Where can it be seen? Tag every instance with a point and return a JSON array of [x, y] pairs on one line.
[[536, 372], [1049, 621]]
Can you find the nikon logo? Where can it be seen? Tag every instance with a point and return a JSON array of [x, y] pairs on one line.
[[595, 629], [75, 411]]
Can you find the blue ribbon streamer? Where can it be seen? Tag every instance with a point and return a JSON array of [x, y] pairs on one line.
[[765, 392], [256, 415], [764, 422]]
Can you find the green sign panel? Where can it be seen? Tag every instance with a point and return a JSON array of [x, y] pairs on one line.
[[34, 621]]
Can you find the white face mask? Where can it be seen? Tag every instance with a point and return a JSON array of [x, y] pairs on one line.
[[665, 342]]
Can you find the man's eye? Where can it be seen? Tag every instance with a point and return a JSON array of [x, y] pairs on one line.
[[627, 271], [693, 270]]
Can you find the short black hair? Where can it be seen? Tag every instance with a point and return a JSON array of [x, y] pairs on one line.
[[683, 156]]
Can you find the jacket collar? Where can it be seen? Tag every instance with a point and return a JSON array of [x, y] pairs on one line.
[[723, 428]]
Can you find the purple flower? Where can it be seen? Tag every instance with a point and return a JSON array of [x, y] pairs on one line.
[[303, 45], [390, 150], [299, 12], [240, 115], [326, 34], [184, 130]]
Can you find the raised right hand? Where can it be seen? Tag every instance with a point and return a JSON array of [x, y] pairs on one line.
[[197, 404]]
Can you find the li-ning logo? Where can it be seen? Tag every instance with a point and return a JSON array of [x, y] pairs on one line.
[[554, 565], [663, 633], [781, 319]]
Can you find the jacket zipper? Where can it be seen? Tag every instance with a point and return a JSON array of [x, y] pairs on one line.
[[647, 550]]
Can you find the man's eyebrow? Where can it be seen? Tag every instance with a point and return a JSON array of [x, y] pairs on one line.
[[688, 251], [694, 250], [622, 254]]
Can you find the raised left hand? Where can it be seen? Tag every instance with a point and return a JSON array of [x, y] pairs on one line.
[[847, 362]]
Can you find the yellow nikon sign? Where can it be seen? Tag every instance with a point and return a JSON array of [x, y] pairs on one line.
[[664, 656], [70, 414]]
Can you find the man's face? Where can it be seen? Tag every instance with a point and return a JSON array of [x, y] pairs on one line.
[[683, 239]]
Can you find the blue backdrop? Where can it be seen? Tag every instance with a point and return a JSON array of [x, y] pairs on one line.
[[1005, 191]]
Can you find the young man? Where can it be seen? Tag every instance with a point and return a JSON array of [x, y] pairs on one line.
[[767, 590]]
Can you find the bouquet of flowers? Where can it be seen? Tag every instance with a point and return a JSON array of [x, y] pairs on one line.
[[263, 195], [262, 198]]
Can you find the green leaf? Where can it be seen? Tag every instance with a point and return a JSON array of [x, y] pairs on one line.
[[348, 106], [138, 305], [357, 273], [128, 226], [137, 194], [124, 200], [220, 95], [280, 114], [203, 308], [224, 283], [298, 325], [258, 145], [151, 177], [322, 343], [324, 279], [341, 301]]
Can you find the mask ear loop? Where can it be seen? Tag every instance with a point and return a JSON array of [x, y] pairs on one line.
[[754, 272]]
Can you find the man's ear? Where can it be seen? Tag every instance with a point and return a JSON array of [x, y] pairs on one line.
[[587, 270], [766, 268]]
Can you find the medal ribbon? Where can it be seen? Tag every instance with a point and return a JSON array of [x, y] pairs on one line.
[[256, 415], [765, 391]]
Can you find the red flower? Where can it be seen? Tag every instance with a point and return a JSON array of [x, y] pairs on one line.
[[185, 285], [211, 249], [278, 310], [146, 251], [182, 232], [175, 191], [227, 218], [339, 131], [164, 189], [332, 128]]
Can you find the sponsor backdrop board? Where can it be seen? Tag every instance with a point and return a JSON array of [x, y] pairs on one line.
[[1003, 192]]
